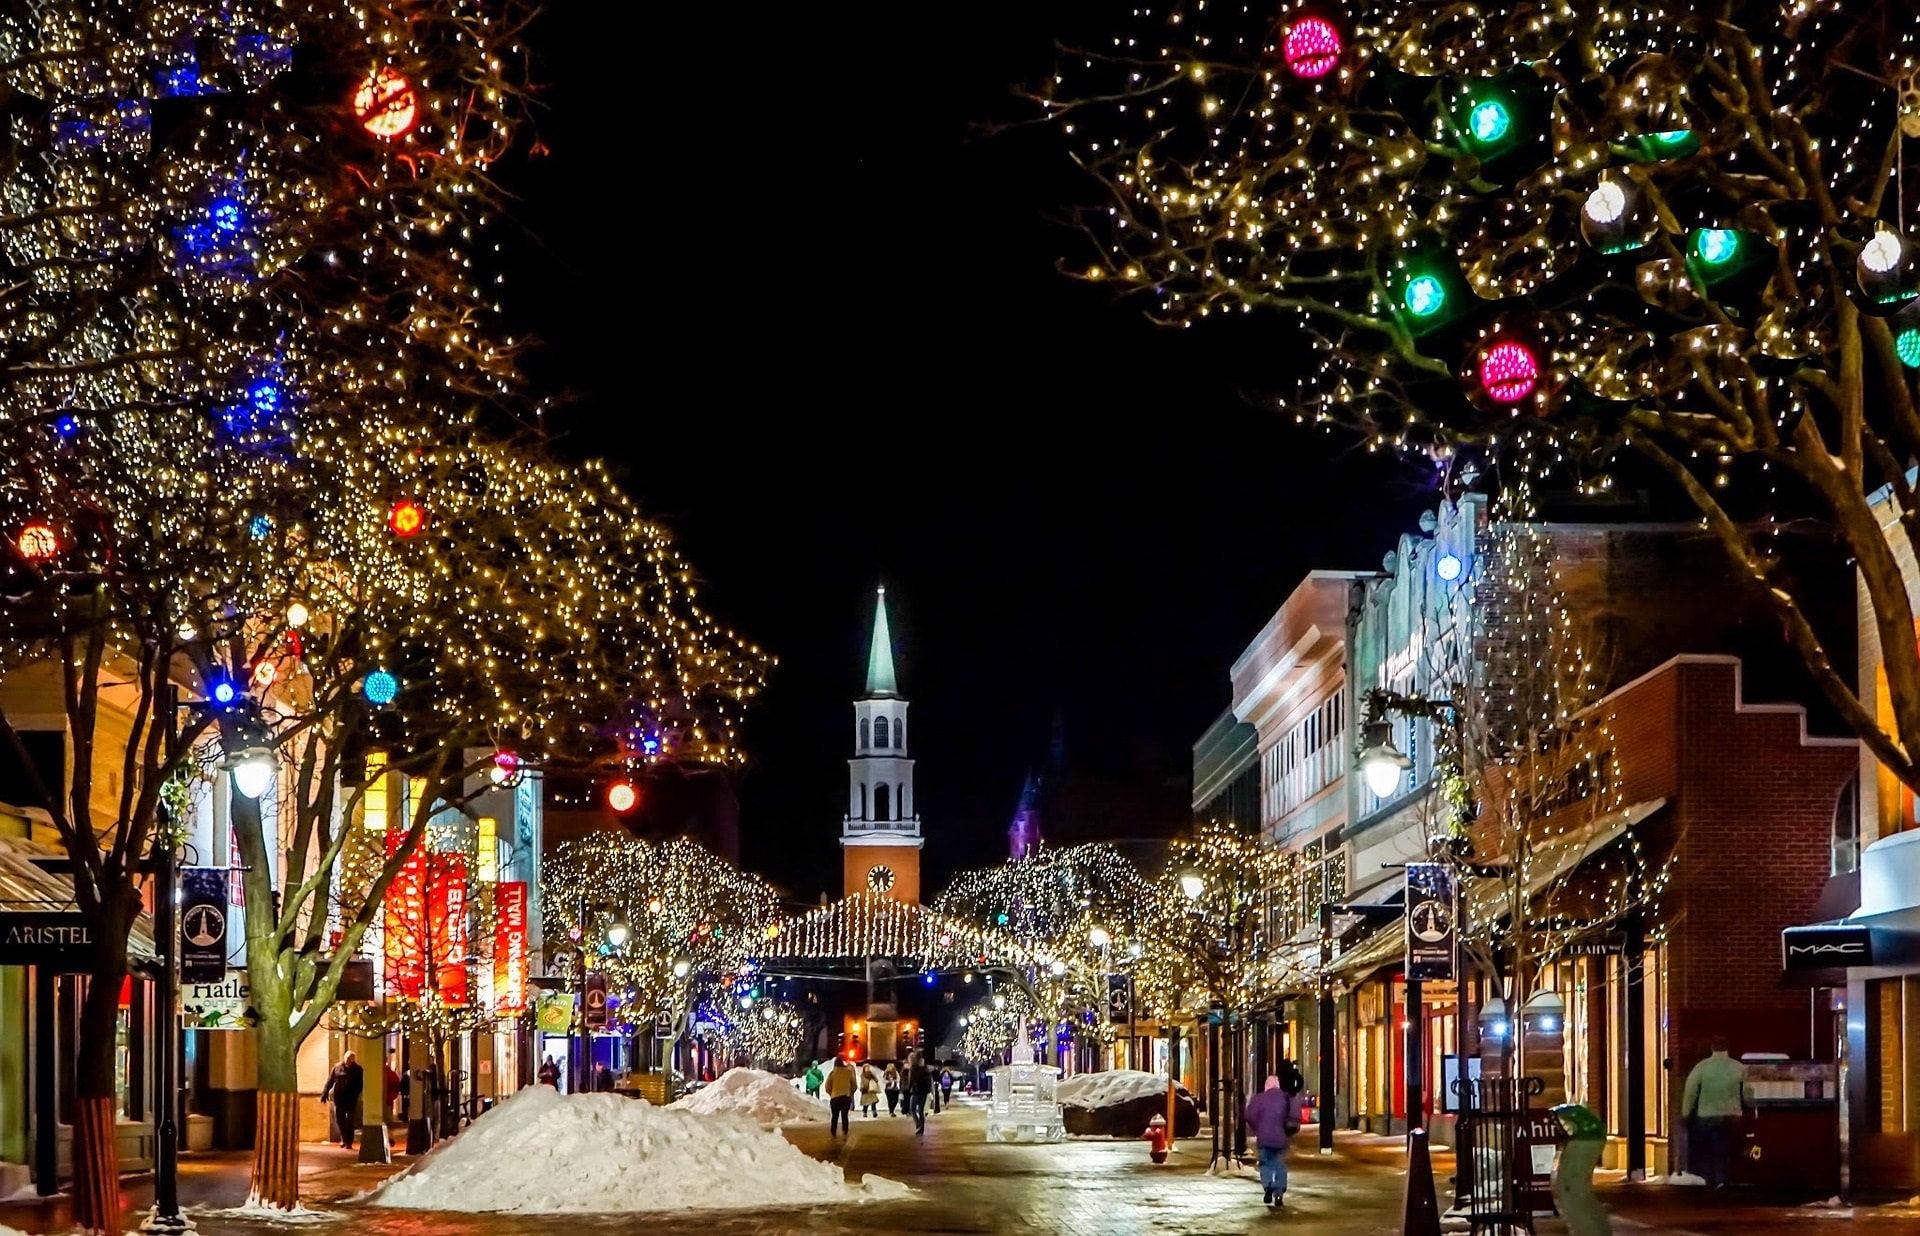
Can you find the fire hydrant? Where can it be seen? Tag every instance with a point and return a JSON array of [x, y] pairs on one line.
[[1157, 1138]]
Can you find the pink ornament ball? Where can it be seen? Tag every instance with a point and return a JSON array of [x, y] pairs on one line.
[[1312, 47], [1508, 372]]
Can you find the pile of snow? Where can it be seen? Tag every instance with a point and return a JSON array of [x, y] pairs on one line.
[[1684, 1179], [762, 1097], [543, 1152], [1110, 1089]]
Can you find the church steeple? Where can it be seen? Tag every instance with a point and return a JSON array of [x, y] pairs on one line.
[[880, 833], [880, 679]]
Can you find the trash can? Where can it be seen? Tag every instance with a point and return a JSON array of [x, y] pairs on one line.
[[1573, 1173]]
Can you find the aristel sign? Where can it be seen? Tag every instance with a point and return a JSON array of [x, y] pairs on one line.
[[61, 940]]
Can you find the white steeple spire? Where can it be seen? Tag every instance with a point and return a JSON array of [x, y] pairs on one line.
[[881, 809], [880, 679]]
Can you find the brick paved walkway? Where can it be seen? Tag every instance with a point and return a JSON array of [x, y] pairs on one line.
[[964, 1185]]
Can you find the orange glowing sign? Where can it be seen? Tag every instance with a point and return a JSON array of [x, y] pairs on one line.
[[386, 105]]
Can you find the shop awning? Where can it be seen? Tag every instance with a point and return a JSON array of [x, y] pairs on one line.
[[1558, 859], [24, 885], [1383, 948]]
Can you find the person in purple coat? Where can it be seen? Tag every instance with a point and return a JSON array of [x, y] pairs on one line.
[[1274, 1117]]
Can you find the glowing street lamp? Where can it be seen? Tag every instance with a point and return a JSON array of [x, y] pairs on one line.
[[252, 771], [1382, 764], [1192, 884]]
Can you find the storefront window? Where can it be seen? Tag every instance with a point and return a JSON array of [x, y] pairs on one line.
[[1653, 1078], [123, 1061]]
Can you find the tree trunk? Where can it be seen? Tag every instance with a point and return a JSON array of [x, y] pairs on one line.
[[96, 1158], [276, 1121]]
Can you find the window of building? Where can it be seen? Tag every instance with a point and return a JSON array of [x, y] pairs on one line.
[[880, 733], [900, 733], [880, 802], [1307, 758], [866, 735], [1846, 828]]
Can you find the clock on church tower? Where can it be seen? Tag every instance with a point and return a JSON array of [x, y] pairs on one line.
[[880, 835]]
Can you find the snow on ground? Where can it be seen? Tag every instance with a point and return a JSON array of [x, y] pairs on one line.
[[1683, 1179], [762, 1097], [257, 1211], [542, 1152], [1110, 1089]]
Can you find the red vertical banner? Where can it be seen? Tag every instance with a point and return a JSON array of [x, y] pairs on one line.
[[405, 924], [510, 947], [447, 926]]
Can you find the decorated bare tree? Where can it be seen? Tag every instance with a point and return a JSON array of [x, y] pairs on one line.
[[223, 229], [669, 924], [1081, 912], [1665, 243]]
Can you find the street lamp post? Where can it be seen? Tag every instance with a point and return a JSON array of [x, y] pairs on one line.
[[165, 1219]]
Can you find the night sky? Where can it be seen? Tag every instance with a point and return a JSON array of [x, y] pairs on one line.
[[813, 319]]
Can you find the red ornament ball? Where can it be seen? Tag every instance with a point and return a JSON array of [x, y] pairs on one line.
[[38, 542], [385, 104], [407, 517], [1312, 47], [1508, 372]]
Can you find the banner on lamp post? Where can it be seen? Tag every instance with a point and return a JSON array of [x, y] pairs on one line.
[[1431, 925], [203, 925], [1119, 999], [216, 1006], [553, 1013], [510, 947], [447, 926], [593, 1002], [405, 924]]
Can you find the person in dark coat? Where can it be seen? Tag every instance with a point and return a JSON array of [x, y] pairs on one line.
[[392, 1090], [549, 1073], [344, 1086], [919, 1086], [1273, 1115]]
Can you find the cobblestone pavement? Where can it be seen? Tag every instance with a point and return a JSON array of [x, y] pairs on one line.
[[964, 1185]]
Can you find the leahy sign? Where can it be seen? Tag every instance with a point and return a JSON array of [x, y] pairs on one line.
[[61, 940]]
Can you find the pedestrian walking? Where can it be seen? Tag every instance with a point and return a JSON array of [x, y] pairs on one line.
[[1714, 1106], [602, 1079], [344, 1087], [549, 1075], [869, 1091], [946, 1087], [891, 1083], [391, 1088], [919, 1086], [1273, 1116], [839, 1086], [813, 1080]]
